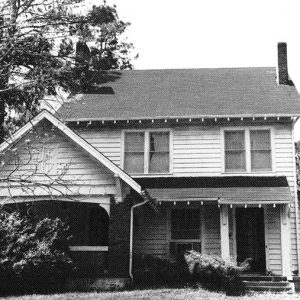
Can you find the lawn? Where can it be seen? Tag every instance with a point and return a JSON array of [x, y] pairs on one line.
[[155, 294]]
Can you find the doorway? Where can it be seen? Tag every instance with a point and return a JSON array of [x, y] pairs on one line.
[[250, 237]]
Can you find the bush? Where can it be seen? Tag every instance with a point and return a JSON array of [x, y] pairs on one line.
[[150, 271], [215, 273], [33, 254]]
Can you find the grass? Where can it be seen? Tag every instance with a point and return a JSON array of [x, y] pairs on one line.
[[156, 294]]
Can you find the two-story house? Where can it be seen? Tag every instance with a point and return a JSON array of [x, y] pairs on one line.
[[159, 161]]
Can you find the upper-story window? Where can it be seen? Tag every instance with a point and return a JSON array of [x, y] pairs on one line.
[[247, 150], [134, 152], [147, 152], [260, 150], [235, 151]]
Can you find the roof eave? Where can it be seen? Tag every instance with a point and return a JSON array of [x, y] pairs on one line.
[[230, 116]]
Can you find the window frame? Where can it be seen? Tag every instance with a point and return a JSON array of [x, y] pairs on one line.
[[247, 131], [201, 239], [260, 150], [147, 150], [187, 240]]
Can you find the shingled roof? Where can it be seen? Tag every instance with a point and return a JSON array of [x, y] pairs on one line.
[[185, 93]]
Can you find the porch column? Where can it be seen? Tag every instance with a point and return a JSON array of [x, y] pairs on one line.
[[224, 230], [285, 240]]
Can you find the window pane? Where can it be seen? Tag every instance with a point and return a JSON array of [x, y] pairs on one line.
[[159, 162], [261, 160], [159, 141], [260, 150], [134, 162], [134, 152], [159, 152], [260, 140], [134, 141], [234, 140], [235, 160]]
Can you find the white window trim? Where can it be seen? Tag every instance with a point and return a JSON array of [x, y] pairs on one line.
[[146, 152], [248, 149]]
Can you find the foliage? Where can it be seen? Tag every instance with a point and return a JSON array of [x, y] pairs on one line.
[[33, 254], [210, 271], [150, 271], [44, 45], [215, 273], [297, 154], [102, 28]]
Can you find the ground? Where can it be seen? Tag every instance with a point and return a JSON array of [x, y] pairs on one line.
[[164, 294]]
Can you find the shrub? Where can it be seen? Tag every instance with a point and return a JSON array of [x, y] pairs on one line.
[[33, 254], [215, 273], [150, 271]]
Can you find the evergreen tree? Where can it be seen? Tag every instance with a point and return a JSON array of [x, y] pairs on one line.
[[45, 44]]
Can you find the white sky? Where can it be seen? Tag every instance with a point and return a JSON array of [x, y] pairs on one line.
[[212, 33]]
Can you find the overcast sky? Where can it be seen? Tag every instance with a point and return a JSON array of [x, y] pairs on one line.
[[212, 33]]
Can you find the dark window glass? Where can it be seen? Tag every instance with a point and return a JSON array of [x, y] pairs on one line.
[[185, 224]]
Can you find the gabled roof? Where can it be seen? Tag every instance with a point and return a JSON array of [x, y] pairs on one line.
[[77, 139], [154, 94]]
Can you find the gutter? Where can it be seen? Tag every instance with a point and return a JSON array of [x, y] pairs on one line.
[[131, 235]]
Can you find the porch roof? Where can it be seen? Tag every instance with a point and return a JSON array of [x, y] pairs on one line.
[[236, 195], [222, 190]]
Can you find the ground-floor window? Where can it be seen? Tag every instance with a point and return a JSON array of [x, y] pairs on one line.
[[185, 230]]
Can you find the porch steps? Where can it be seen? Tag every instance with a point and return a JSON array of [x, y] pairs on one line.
[[275, 284]]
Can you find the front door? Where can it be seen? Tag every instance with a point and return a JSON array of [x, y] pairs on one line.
[[250, 237]]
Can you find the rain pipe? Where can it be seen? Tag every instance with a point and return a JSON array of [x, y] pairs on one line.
[[131, 235]]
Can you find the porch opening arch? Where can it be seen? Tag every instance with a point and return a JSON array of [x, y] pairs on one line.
[[98, 226]]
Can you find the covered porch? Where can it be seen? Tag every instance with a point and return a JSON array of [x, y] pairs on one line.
[[234, 218], [88, 219]]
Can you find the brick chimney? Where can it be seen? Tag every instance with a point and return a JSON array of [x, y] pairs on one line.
[[282, 68]]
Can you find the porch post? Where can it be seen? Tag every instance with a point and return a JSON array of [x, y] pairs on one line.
[[285, 240], [224, 230]]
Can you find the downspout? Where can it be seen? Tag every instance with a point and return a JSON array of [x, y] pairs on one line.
[[131, 235], [296, 196]]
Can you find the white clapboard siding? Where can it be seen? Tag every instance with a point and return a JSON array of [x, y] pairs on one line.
[[196, 151], [273, 239], [212, 230], [76, 171], [150, 234], [284, 161], [108, 142]]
